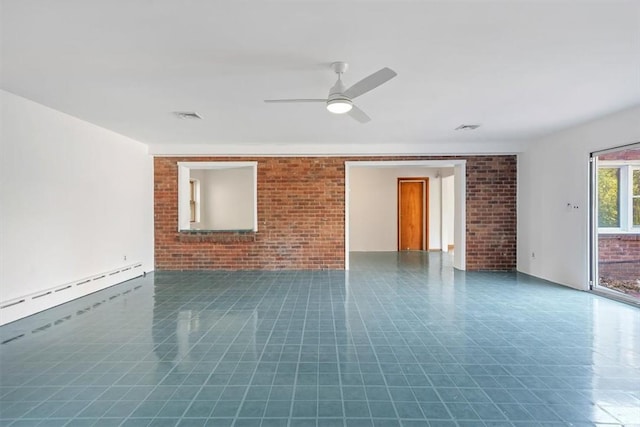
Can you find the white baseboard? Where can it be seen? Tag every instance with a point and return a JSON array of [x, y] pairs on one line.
[[27, 305]]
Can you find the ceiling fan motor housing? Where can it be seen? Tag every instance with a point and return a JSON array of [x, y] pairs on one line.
[[337, 102]]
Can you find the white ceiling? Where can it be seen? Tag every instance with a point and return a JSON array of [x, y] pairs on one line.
[[521, 69]]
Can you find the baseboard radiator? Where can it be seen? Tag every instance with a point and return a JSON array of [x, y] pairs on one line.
[[27, 305]]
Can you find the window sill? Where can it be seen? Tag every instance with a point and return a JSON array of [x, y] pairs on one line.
[[619, 232], [217, 236]]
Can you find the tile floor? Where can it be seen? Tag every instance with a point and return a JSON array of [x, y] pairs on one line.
[[399, 340]]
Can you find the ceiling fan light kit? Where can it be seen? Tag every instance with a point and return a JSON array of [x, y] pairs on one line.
[[339, 106], [340, 99]]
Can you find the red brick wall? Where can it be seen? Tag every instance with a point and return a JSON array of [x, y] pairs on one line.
[[619, 256], [301, 216], [491, 213], [618, 247], [621, 155]]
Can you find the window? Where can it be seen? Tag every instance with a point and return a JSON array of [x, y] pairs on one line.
[[194, 196], [619, 197], [609, 197], [217, 196]]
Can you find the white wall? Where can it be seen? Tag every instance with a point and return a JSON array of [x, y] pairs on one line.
[[373, 208], [227, 202], [448, 210], [552, 173], [75, 199]]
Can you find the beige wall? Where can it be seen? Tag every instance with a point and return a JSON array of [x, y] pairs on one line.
[[373, 210]]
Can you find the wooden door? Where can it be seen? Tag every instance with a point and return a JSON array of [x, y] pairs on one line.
[[412, 213]]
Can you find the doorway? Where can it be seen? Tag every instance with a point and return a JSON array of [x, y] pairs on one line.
[[413, 214], [366, 221], [615, 221]]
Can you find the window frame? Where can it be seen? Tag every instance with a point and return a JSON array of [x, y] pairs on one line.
[[625, 194], [194, 200], [184, 170], [633, 196]]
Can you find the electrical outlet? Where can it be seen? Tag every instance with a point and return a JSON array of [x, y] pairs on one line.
[[125, 257], [533, 255]]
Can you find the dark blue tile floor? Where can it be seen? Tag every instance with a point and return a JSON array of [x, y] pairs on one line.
[[399, 340]]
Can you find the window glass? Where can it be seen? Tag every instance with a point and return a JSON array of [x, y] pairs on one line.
[[609, 197]]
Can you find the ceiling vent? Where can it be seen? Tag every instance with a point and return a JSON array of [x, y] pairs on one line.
[[187, 115], [467, 127]]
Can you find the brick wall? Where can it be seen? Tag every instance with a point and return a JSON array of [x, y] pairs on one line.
[[633, 154], [619, 256], [491, 213], [301, 216]]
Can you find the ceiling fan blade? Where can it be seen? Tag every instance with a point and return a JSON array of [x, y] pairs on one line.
[[359, 115], [371, 82], [293, 100]]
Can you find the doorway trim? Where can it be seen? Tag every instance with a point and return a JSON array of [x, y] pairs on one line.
[[460, 223], [424, 226]]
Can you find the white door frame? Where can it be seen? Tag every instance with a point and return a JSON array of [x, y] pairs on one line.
[[460, 184]]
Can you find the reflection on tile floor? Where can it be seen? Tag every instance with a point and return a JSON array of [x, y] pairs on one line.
[[399, 340]]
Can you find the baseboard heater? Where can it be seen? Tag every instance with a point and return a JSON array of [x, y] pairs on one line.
[[27, 305]]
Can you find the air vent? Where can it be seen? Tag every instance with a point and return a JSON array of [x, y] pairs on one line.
[[467, 127], [187, 115]]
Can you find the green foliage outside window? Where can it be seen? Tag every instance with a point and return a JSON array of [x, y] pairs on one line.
[[608, 197]]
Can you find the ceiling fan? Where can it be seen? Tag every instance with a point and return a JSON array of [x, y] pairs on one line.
[[340, 99]]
